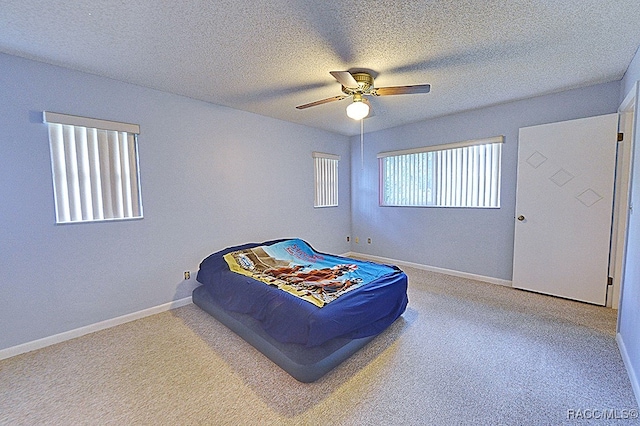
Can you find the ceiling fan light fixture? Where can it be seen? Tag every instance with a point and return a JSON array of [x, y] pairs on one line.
[[357, 110]]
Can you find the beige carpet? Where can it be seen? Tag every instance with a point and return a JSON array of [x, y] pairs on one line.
[[464, 352]]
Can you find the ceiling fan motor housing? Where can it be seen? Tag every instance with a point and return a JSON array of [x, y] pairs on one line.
[[365, 84]]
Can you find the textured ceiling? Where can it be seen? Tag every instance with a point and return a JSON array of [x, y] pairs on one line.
[[269, 56]]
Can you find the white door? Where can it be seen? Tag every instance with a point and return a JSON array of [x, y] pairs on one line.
[[563, 208]]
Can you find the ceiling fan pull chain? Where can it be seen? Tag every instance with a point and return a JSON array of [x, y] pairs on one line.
[[362, 144]]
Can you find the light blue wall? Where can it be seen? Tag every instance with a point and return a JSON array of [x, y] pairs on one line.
[[211, 177], [476, 241], [629, 314]]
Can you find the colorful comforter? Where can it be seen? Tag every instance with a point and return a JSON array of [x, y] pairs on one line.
[[293, 266]]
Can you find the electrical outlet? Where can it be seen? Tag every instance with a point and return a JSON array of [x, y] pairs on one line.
[[187, 275], [357, 240], [368, 240], [348, 238]]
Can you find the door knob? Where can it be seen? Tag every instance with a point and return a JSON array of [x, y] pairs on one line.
[[520, 218]]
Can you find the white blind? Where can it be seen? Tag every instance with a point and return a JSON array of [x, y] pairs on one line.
[[325, 168], [95, 171], [466, 174]]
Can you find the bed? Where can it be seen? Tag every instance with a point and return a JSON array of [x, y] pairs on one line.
[[307, 311]]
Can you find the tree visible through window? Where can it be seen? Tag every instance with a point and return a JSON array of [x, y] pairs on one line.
[[463, 174]]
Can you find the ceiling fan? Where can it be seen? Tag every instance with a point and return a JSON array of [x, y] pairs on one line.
[[360, 84]]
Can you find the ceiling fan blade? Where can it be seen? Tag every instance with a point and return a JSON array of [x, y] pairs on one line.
[[345, 78], [322, 101], [402, 90]]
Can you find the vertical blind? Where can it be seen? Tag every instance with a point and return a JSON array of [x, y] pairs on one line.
[[95, 168], [325, 168], [463, 174]]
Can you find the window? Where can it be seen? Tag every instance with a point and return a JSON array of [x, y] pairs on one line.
[[325, 171], [463, 174], [95, 168]]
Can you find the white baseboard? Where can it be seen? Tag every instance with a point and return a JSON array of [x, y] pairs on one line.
[[635, 383], [72, 334], [492, 280]]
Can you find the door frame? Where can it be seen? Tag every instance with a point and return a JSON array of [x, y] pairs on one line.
[[620, 220]]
